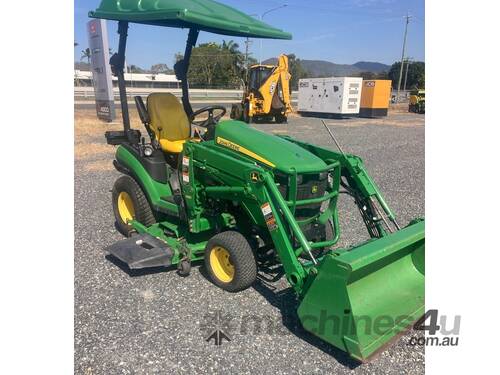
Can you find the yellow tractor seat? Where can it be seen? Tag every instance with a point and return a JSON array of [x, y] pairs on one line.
[[172, 146], [168, 121]]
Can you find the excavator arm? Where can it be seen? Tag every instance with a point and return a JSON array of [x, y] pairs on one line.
[[267, 93], [275, 90]]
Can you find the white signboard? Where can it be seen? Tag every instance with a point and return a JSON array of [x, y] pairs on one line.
[[101, 71]]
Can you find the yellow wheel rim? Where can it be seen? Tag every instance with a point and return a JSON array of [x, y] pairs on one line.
[[221, 265], [125, 207]]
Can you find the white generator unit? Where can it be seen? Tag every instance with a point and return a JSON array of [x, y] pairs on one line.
[[337, 96]]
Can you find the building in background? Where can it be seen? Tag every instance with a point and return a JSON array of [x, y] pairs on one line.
[[83, 78]]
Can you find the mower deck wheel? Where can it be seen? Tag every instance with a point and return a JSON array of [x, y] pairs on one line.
[[230, 261], [129, 202]]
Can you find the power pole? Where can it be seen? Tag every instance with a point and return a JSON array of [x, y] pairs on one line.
[[406, 72], [247, 47], [403, 54]]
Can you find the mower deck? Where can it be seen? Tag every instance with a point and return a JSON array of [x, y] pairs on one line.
[[142, 251]]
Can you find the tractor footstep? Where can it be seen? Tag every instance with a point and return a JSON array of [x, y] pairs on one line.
[[142, 251]]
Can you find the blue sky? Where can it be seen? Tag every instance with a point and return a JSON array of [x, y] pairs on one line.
[[342, 31]]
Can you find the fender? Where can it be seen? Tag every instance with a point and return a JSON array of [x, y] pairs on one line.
[[155, 191]]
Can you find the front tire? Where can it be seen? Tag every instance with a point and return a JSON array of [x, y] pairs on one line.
[[129, 202], [230, 262]]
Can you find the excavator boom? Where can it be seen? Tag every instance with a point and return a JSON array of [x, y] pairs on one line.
[[266, 94]]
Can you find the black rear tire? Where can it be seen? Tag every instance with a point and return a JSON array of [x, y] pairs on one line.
[[142, 211], [239, 258], [246, 113], [236, 112], [280, 119]]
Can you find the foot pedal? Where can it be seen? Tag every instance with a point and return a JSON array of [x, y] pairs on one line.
[[142, 251]]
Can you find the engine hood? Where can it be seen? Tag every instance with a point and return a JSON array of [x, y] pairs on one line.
[[266, 149]]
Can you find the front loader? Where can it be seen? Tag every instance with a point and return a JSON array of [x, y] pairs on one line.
[[197, 188], [266, 94]]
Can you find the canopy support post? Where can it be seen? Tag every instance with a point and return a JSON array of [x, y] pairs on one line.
[[117, 62], [181, 68]]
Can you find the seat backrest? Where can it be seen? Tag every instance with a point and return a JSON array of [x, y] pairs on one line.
[[168, 119]]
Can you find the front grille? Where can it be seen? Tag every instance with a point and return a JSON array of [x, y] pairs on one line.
[[309, 186]]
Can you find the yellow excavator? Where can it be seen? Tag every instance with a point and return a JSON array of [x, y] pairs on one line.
[[267, 93]]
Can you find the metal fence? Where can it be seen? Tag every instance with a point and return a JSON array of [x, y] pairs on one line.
[[196, 94]]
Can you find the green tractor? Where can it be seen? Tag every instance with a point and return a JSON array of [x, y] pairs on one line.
[[199, 188]]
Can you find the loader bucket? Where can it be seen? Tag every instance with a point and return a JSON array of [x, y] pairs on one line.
[[362, 298]]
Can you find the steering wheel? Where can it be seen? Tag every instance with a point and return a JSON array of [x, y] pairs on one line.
[[211, 120]]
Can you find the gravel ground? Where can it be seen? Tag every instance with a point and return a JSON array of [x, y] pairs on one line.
[[155, 322]]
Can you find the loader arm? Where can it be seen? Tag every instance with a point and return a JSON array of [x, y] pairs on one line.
[[351, 291], [358, 298]]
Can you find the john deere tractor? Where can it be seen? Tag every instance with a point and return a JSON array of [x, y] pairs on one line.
[[195, 187]]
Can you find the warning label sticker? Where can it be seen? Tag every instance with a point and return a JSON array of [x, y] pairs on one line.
[[185, 169], [268, 216]]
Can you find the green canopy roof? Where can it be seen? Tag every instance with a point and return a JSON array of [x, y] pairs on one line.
[[207, 15]]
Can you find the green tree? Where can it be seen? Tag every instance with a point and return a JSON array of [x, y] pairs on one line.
[[86, 54], [230, 46], [215, 65], [136, 69], [234, 58], [160, 68], [371, 75], [296, 70], [368, 75], [416, 75]]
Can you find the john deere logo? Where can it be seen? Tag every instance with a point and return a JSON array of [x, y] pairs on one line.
[[314, 189]]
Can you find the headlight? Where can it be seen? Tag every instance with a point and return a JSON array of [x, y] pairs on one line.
[[148, 150]]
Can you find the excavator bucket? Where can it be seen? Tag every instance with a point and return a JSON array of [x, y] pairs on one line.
[[362, 298]]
